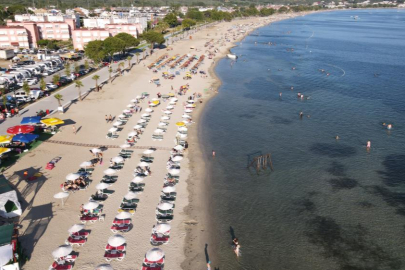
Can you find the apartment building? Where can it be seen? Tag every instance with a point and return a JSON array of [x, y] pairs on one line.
[[14, 36]]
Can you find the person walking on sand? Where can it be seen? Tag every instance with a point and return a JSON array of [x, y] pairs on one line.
[[106, 119], [74, 129], [110, 118]]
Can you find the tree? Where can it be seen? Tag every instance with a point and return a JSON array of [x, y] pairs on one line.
[[153, 37], [162, 26], [76, 67], [110, 70], [194, 14], [113, 45], [137, 57], [86, 64], [55, 79], [59, 98], [187, 23], [171, 19], [67, 69], [129, 58], [26, 88], [42, 84], [129, 40], [96, 77], [94, 50], [121, 67], [283, 9], [79, 85]]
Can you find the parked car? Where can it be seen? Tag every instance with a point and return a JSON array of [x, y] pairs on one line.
[[64, 80], [51, 86], [21, 100], [29, 81], [47, 72]]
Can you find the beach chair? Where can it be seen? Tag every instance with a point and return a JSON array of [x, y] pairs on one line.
[[76, 241], [168, 197], [128, 206], [130, 201], [91, 219], [120, 228], [110, 255], [147, 159], [99, 197], [152, 267], [168, 175], [111, 136], [164, 218], [111, 248], [80, 234], [157, 137], [159, 239], [161, 262], [129, 211], [56, 266]]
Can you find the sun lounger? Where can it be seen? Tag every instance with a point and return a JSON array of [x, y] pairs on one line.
[[111, 136], [152, 268], [171, 197], [81, 234], [120, 228], [119, 256], [91, 219], [127, 206], [146, 159], [76, 241], [164, 218], [129, 211], [99, 197], [130, 201], [119, 248], [155, 263], [122, 221], [56, 266], [156, 240]]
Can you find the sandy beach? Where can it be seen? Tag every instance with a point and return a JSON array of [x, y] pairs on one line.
[[45, 221]]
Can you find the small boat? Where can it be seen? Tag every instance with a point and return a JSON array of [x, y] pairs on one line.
[[232, 56]]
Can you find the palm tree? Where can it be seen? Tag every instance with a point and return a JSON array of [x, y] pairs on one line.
[[121, 66], [59, 98], [129, 58], [96, 77], [137, 57], [55, 79], [42, 84], [79, 85], [67, 69], [26, 88], [110, 70]]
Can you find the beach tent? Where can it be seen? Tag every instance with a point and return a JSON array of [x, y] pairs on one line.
[[9, 205], [6, 248]]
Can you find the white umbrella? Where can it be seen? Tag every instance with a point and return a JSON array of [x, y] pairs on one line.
[[96, 150], [103, 267], [76, 228], [91, 205], [165, 206], [190, 106], [101, 186], [186, 116], [188, 110], [146, 115], [137, 127], [85, 164], [169, 107], [117, 123], [167, 112], [123, 215], [174, 99], [155, 99], [117, 159], [131, 195], [148, 152], [165, 118], [174, 171], [172, 102], [137, 180], [162, 228], [158, 131], [143, 164], [183, 129], [148, 110], [62, 251], [126, 111], [179, 147], [141, 121], [154, 254], [125, 146], [130, 105], [161, 124], [61, 195], [113, 129], [134, 100], [132, 134], [116, 240], [183, 136], [168, 189], [121, 116], [191, 101], [177, 158], [110, 172], [72, 176]]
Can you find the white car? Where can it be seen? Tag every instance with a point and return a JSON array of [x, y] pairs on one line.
[[23, 99], [47, 72], [29, 81], [51, 86]]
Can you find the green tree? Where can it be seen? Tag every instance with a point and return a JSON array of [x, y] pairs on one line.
[[26, 88], [113, 45], [96, 78], [94, 50], [129, 58], [121, 67], [86, 64], [79, 85], [162, 26], [187, 23], [283, 9], [55, 79], [194, 14], [68, 69], [59, 98], [42, 84], [153, 37], [171, 19], [129, 41], [76, 67]]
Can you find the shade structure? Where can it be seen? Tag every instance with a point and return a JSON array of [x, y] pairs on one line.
[[172, 103], [141, 121], [85, 164], [154, 254], [117, 159], [134, 100], [61, 195], [91, 205], [162, 124], [76, 228], [148, 110], [130, 105], [104, 267], [162, 228], [190, 101], [132, 134], [143, 164], [148, 151], [25, 138], [131, 195], [96, 150], [165, 206], [123, 146], [165, 118], [62, 251], [113, 129], [186, 116], [4, 150], [138, 97], [52, 121], [32, 120], [137, 180], [117, 123], [168, 189], [101, 186], [121, 116], [158, 131], [110, 172], [20, 129], [188, 110], [72, 176], [116, 240], [190, 106], [123, 215], [137, 126], [126, 111], [180, 124], [174, 171], [170, 107], [156, 102], [179, 147], [183, 129], [177, 158], [6, 138], [146, 115], [174, 99], [182, 136], [167, 112]]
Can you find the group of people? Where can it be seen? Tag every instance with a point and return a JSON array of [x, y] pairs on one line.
[[6, 113], [145, 171], [74, 185], [108, 118]]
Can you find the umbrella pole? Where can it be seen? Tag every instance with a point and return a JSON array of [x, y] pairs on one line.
[[63, 203]]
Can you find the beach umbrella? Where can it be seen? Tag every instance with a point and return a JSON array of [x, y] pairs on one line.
[[122, 116], [118, 159], [168, 189], [162, 124], [76, 228], [125, 146], [190, 101], [188, 110], [167, 112], [156, 102], [165, 118], [117, 123], [116, 240], [96, 150], [101, 186], [143, 164], [113, 129], [172, 103], [130, 105], [138, 97], [186, 116], [137, 126], [148, 110], [141, 121], [31, 120], [20, 129], [154, 254], [180, 124], [131, 195], [148, 152], [174, 99], [72, 176], [162, 228], [90, 205], [103, 267], [25, 138], [190, 106], [123, 215], [126, 111], [132, 134], [174, 171], [178, 147], [177, 158], [170, 107], [6, 138], [137, 180], [183, 136], [61, 195], [134, 100], [62, 251], [85, 164], [146, 115], [52, 121], [158, 131], [165, 206], [110, 172], [183, 129]]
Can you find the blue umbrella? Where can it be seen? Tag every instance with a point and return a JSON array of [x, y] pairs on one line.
[[31, 120], [25, 138]]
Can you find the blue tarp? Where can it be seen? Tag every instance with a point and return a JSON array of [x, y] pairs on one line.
[[31, 120], [25, 138]]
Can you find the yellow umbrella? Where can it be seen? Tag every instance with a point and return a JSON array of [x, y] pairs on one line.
[[6, 139], [171, 95], [156, 102], [165, 72], [4, 150], [52, 121], [180, 124]]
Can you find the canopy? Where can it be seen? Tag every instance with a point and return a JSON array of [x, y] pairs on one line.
[[183, 129], [154, 254], [134, 100], [130, 105], [126, 111], [158, 131], [117, 159], [113, 129], [25, 138], [146, 115], [96, 150], [148, 152], [72, 176], [132, 134], [103, 267], [162, 124], [180, 124], [117, 123], [186, 116], [116, 240], [174, 171], [31, 120], [20, 129], [4, 150], [188, 110], [170, 107], [137, 126], [165, 118], [85, 164], [123, 215], [167, 112], [125, 146], [76, 228], [52, 121], [173, 99], [62, 251], [179, 147], [61, 195], [168, 189], [137, 179], [121, 116], [6, 138], [177, 158], [9, 204], [148, 110], [141, 121], [131, 195], [110, 172], [162, 228], [143, 164], [101, 186], [165, 206], [156, 102], [91, 205]]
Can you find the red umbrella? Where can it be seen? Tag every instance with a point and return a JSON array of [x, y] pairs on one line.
[[20, 129]]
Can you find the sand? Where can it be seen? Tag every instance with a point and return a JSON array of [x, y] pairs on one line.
[[45, 222]]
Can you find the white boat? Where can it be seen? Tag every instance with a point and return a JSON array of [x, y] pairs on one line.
[[231, 56]]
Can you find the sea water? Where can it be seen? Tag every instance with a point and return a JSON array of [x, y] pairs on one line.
[[328, 204]]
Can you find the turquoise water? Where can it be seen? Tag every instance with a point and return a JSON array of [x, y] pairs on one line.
[[329, 204]]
